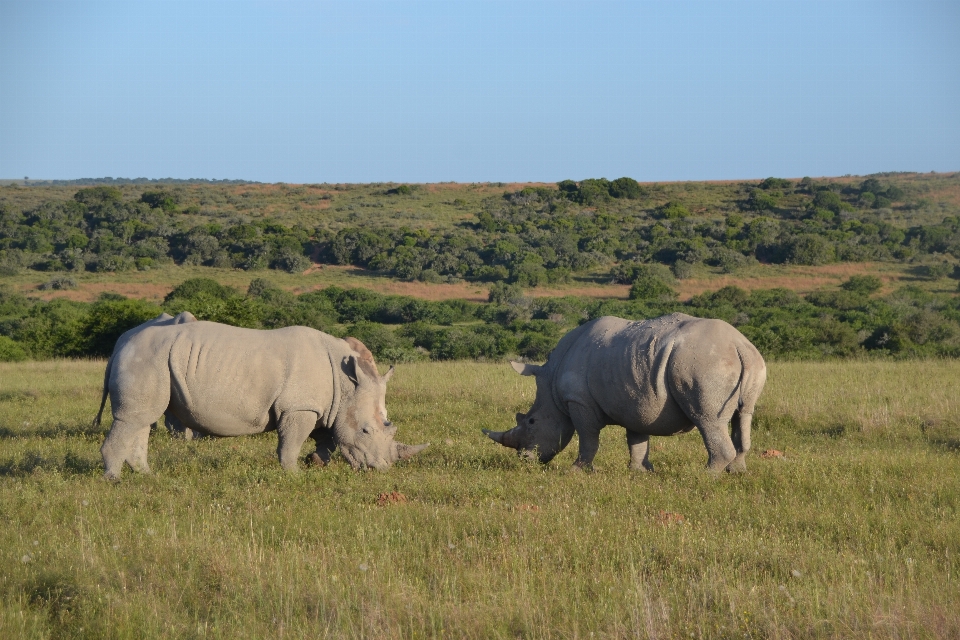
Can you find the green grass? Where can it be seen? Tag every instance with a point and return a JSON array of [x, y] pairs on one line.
[[854, 533]]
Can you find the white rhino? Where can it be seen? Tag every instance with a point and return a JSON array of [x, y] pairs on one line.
[[656, 377], [226, 381], [163, 319]]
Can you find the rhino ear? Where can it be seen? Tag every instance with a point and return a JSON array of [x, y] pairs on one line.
[[351, 367], [526, 369]]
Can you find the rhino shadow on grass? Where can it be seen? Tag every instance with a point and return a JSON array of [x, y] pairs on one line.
[[73, 430], [32, 462]]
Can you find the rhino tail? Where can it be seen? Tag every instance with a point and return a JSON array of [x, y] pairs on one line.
[[103, 398], [753, 375]]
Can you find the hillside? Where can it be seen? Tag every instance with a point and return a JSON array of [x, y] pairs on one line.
[[873, 259]]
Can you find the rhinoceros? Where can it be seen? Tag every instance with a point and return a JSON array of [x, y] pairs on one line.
[[163, 319], [656, 377], [226, 381]]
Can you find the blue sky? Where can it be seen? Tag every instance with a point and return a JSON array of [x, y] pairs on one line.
[[477, 90]]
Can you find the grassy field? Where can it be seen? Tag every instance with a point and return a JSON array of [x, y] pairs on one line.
[[852, 533]]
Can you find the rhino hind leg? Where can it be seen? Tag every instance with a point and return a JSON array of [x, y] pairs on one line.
[[126, 442], [293, 430], [741, 441], [719, 445], [639, 444], [176, 429]]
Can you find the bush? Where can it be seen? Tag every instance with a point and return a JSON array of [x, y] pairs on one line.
[[195, 286], [503, 293], [937, 270], [625, 188], [682, 270], [292, 263], [672, 211], [809, 249], [862, 285], [653, 282], [58, 283], [11, 351], [109, 319]]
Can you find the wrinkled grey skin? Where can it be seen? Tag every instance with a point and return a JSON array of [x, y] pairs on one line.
[[657, 377], [164, 319], [227, 381]]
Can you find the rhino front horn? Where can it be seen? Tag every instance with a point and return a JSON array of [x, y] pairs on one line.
[[405, 451], [506, 438]]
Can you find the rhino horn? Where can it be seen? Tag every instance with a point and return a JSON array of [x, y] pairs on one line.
[[506, 438], [405, 451]]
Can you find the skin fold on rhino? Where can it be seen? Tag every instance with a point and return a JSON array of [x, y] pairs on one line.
[[226, 381], [656, 377], [164, 319]]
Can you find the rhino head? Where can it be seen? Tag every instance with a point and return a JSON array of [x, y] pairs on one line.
[[544, 430], [361, 429]]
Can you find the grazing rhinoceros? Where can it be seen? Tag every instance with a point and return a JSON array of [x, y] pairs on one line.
[[163, 319], [227, 381], [655, 378]]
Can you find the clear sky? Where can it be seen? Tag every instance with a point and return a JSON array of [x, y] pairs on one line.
[[477, 90]]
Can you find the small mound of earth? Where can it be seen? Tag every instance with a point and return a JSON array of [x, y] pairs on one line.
[[668, 518], [394, 497], [772, 453]]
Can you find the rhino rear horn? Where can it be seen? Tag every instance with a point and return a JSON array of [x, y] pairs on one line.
[[506, 438], [405, 451]]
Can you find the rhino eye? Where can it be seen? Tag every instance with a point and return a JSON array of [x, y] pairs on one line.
[[531, 420]]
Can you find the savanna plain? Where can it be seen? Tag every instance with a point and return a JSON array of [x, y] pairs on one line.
[[844, 526]]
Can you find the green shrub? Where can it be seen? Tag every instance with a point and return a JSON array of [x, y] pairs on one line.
[[652, 282], [672, 211], [863, 285], [11, 351], [108, 319]]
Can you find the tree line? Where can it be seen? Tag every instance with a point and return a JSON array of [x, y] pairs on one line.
[[530, 236], [850, 322]]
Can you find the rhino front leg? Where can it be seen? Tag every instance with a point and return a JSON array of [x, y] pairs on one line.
[[326, 445], [126, 442], [293, 430], [588, 427], [639, 444]]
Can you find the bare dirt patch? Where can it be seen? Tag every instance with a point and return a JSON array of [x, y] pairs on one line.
[[799, 279], [90, 291]]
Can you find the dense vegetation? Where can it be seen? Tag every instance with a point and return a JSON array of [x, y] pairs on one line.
[[530, 236], [827, 323]]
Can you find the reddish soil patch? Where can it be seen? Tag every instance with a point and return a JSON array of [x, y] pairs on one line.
[[772, 453], [422, 290], [90, 291], [668, 518], [799, 279], [394, 497], [587, 291]]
